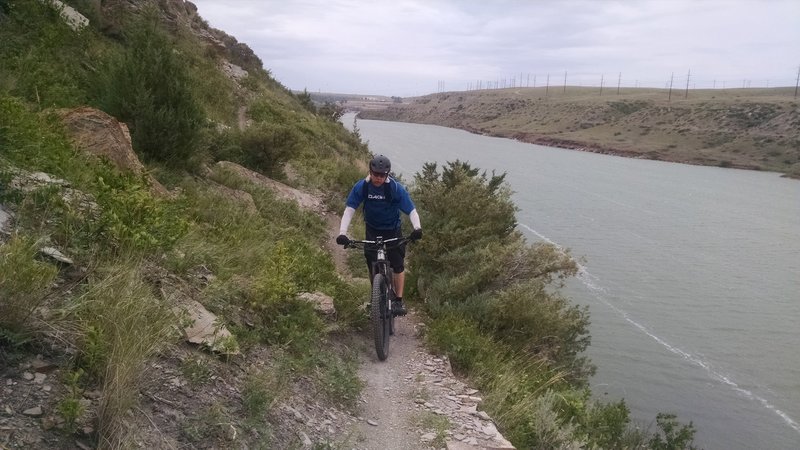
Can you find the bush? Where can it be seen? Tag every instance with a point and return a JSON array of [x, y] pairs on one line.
[[266, 147], [23, 282], [290, 268], [132, 218], [148, 88], [672, 434], [307, 102], [528, 317], [475, 265], [123, 325]]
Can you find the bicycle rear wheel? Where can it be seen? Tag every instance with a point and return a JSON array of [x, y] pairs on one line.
[[380, 315]]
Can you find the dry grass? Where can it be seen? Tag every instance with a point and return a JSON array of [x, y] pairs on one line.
[[124, 324]]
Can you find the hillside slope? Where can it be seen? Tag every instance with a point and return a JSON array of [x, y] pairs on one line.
[[743, 128], [108, 270], [188, 298]]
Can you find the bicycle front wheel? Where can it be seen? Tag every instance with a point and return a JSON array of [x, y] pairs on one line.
[[380, 315]]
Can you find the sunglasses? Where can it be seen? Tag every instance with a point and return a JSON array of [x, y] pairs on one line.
[[379, 175]]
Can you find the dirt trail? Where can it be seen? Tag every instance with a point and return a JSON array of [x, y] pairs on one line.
[[388, 396]]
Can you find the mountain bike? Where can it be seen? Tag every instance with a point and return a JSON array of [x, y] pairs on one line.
[[380, 305]]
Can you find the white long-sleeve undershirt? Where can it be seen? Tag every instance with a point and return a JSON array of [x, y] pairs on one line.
[[349, 211]]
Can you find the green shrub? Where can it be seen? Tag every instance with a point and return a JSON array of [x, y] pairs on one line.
[[132, 217], [469, 350], [224, 145], [265, 147], [477, 266], [123, 325], [24, 281], [528, 317], [672, 434], [70, 407], [306, 101], [196, 370], [267, 109], [148, 88], [537, 424]]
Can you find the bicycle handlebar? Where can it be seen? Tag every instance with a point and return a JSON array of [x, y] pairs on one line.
[[396, 242]]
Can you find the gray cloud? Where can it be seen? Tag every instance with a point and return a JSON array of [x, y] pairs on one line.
[[406, 47]]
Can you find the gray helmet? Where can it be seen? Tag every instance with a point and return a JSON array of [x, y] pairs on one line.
[[380, 164]]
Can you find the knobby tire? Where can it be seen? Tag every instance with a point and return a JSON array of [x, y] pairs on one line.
[[381, 316]]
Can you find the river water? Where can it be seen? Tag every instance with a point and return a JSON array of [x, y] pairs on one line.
[[691, 274]]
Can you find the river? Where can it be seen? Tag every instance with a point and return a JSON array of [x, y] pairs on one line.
[[691, 274]]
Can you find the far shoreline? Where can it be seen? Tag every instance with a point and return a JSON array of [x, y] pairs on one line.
[[568, 144]]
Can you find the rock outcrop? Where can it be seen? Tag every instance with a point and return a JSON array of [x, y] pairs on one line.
[[303, 199], [100, 134]]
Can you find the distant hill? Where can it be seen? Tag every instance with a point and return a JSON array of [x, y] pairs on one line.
[[755, 129], [354, 102]]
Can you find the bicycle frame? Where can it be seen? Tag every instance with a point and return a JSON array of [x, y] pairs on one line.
[[382, 280], [381, 247]]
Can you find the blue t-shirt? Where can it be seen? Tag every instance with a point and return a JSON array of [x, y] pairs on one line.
[[381, 213]]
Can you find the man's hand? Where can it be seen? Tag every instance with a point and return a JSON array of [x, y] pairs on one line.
[[342, 240], [416, 234]]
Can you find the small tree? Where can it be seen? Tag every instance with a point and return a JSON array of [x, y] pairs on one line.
[[478, 266], [331, 111], [148, 88], [267, 146], [306, 101]]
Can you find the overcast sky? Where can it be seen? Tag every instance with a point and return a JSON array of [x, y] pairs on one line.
[[415, 47]]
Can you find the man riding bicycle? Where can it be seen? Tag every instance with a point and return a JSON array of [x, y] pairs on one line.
[[383, 199]]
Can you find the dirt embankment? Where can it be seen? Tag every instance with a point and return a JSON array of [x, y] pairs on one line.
[[757, 129]]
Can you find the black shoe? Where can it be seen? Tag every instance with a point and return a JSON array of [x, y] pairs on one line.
[[398, 308]]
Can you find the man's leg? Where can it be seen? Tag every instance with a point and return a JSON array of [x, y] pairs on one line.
[[399, 282], [398, 308]]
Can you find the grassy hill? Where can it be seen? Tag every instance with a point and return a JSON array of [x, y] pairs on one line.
[[744, 128], [102, 269], [100, 326]]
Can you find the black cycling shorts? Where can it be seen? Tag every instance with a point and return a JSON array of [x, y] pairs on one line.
[[396, 255]]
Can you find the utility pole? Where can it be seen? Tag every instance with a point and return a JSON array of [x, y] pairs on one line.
[[547, 88], [565, 81], [534, 81], [797, 83], [669, 98], [601, 84], [619, 81], [689, 75]]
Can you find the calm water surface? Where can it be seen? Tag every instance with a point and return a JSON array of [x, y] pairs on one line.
[[692, 275]]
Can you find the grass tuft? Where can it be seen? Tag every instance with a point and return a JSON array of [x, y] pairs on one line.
[[24, 281], [124, 324]]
